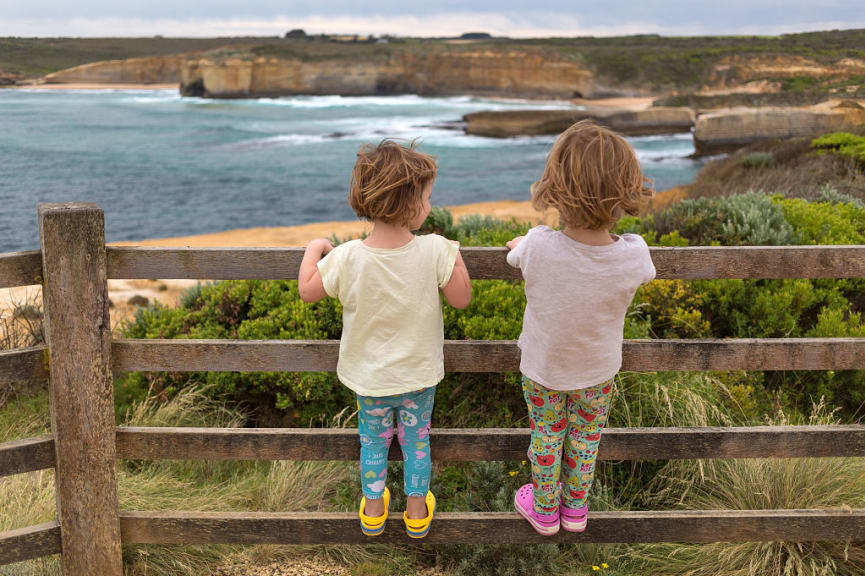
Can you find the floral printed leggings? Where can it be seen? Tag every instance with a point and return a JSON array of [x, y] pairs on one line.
[[375, 424], [573, 419]]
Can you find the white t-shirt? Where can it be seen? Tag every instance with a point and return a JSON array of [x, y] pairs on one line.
[[577, 296], [392, 332]]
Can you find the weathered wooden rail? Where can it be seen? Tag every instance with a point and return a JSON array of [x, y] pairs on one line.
[[81, 358]]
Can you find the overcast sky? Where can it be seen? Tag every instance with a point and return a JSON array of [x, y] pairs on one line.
[[423, 18]]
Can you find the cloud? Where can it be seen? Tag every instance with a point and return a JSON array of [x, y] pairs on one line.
[[518, 25]]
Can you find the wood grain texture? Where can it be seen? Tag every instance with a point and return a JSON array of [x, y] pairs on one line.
[[489, 262], [78, 334], [24, 365], [20, 269], [31, 542], [19, 456], [479, 445], [492, 527], [491, 355]]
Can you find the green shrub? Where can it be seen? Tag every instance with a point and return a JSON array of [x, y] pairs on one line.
[[757, 160], [842, 143]]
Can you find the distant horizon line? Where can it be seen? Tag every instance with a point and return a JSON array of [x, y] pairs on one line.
[[431, 37]]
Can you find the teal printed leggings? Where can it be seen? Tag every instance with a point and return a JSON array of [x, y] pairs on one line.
[[375, 420], [566, 426]]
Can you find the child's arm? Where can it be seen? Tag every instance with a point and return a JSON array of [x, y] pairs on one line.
[[458, 290], [309, 278]]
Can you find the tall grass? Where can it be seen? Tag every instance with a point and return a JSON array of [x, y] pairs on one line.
[[28, 499]]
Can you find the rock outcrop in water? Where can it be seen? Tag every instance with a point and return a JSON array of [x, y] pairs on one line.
[[513, 73], [506, 123], [726, 130], [152, 70]]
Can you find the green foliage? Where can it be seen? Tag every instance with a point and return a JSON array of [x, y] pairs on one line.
[[842, 143], [757, 160], [661, 309], [740, 219]]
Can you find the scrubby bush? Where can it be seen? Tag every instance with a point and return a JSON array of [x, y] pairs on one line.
[[842, 143], [662, 309]]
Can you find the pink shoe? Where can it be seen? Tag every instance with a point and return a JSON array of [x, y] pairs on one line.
[[573, 519], [524, 502]]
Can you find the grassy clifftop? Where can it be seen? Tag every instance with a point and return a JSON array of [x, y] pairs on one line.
[[796, 63]]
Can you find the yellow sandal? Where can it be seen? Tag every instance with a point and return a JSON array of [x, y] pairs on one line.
[[419, 527], [374, 525]]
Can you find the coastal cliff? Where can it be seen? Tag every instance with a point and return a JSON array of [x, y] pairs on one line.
[[727, 130], [439, 72], [152, 70]]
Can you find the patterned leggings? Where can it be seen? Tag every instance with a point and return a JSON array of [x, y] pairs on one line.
[[573, 419], [375, 424]]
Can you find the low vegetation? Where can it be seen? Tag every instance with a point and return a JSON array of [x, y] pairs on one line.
[[662, 309]]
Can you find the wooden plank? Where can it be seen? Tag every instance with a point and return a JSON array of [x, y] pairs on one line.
[[24, 365], [491, 355], [492, 527], [489, 262], [78, 333], [20, 269], [479, 445], [19, 456], [28, 543]]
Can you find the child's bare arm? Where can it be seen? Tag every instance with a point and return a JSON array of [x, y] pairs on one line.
[[458, 291], [309, 279]]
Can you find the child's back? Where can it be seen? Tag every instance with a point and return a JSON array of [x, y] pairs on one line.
[[392, 319], [577, 296]]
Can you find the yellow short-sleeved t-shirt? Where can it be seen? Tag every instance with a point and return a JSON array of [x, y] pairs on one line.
[[392, 332]]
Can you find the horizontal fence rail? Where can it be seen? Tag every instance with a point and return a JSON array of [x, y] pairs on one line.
[[25, 268], [20, 269], [30, 542], [452, 444], [19, 456], [24, 364], [478, 445], [489, 355], [492, 527], [489, 263]]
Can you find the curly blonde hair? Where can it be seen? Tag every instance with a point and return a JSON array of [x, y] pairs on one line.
[[388, 181], [592, 177]]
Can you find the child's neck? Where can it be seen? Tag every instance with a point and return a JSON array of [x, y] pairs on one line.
[[587, 236], [385, 235]]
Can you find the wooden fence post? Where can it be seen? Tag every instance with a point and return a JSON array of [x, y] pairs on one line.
[[75, 298]]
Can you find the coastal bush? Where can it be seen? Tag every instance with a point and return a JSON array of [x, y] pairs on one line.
[[842, 143]]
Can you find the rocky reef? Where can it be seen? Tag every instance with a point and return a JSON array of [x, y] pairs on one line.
[[506, 123]]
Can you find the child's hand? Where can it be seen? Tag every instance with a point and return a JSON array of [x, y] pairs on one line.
[[320, 245], [513, 243]]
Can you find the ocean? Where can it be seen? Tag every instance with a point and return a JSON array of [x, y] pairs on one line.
[[162, 165]]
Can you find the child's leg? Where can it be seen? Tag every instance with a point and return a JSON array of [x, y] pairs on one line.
[[414, 417], [375, 427], [587, 414], [548, 424]]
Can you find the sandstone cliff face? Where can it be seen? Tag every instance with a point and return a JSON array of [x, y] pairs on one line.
[[501, 124], [518, 74], [153, 70], [727, 130]]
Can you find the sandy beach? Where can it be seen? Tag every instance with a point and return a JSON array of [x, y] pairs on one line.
[[90, 86]]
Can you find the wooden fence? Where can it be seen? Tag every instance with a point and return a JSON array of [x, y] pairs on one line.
[[81, 357]]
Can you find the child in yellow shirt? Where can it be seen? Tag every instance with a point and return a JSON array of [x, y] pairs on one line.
[[390, 353]]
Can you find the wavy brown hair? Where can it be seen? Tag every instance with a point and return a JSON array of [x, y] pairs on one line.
[[592, 177], [388, 181]]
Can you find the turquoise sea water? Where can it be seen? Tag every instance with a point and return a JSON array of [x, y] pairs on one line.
[[162, 165]]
